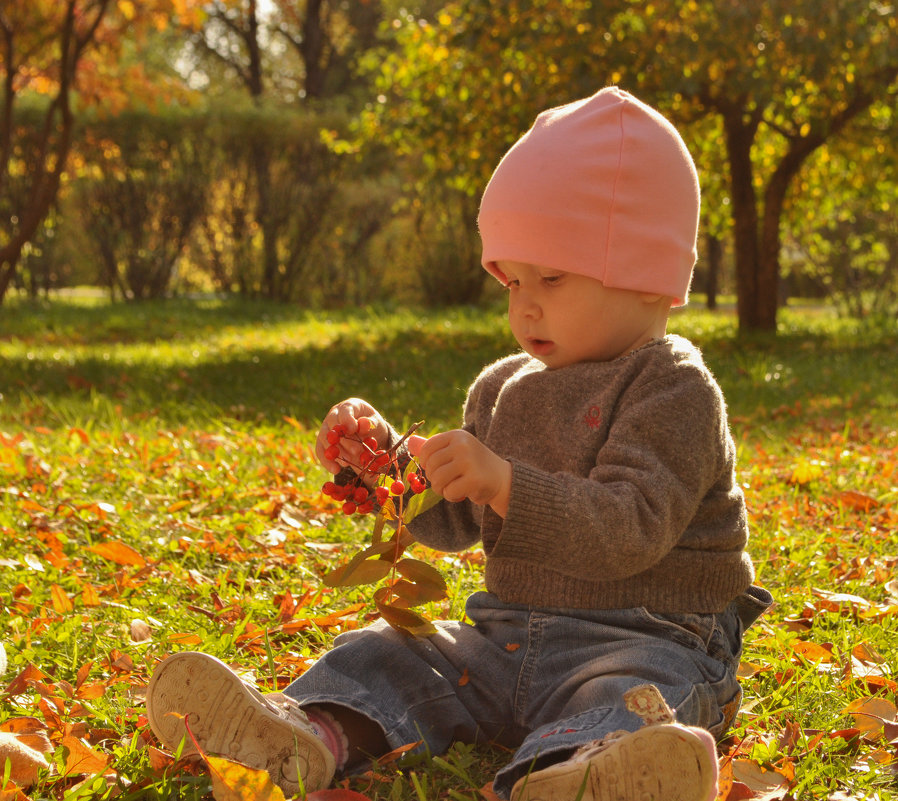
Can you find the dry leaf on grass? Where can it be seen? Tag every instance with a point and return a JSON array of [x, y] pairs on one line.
[[81, 758], [232, 781], [25, 762]]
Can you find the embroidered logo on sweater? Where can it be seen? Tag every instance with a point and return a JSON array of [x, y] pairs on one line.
[[593, 418]]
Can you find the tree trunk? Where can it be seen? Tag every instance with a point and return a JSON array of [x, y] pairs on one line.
[[740, 134], [715, 260]]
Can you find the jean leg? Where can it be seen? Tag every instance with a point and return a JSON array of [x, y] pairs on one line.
[[453, 686], [592, 663]]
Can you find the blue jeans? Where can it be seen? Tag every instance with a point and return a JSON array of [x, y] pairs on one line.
[[542, 682]]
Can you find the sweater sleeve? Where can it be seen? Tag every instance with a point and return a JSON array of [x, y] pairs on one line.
[[667, 453], [457, 526]]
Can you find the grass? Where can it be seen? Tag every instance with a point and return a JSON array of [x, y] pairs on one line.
[[158, 493]]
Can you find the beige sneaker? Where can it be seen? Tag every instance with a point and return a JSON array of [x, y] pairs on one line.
[[230, 718], [665, 762]]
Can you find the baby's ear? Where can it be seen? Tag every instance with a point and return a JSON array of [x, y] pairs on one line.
[[493, 268]]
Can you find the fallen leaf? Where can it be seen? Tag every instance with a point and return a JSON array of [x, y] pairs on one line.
[[758, 778], [62, 604], [812, 652], [858, 501], [725, 780], [465, 678], [397, 753], [24, 762], [119, 552], [232, 781], [81, 758], [870, 715], [140, 631], [487, 792]]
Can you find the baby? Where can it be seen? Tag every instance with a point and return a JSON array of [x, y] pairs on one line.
[[595, 468]]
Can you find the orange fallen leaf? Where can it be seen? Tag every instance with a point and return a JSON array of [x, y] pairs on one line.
[[24, 762], [119, 552], [81, 758], [512, 647], [397, 753], [90, 596], [858, 501], [725, 780], [81, 434], [11, 792], [812, 652], [871, 714], [487, 792], [465, 678]]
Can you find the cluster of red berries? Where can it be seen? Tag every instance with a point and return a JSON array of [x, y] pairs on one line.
[[355, 496]]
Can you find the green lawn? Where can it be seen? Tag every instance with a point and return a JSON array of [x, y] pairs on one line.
[[157, 493]]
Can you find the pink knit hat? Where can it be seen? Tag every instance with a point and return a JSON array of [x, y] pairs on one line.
[[603, 187]]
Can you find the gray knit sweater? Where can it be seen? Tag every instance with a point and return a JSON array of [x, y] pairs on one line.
[[623, 489]]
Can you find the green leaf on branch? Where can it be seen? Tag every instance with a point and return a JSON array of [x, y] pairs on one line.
[[358, 571], [424, 575], [420, 503], [406, 620]]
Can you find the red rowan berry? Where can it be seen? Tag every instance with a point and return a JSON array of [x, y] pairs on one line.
[[328, 488], [332, 452], [339, 429], [366, 508], [360, 495], [381, 493], [397, 488], [371, 443], [349, 508], [334, 437]]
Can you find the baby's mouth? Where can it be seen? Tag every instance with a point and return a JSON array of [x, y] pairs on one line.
[[539, 346]]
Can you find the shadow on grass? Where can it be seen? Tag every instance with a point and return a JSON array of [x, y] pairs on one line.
[[414, 368], [411, 365]]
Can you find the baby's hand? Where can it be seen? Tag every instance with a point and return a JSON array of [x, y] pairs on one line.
[[459, 466], [360, 420]]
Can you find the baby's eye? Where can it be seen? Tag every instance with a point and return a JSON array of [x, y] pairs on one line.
[[552, 280]]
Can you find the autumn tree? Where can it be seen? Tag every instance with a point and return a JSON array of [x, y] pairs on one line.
[[780, 79], [281, 56], [53, 52], [784, 77]]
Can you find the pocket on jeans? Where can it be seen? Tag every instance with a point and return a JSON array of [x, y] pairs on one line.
[[690, 630], [712, 704]]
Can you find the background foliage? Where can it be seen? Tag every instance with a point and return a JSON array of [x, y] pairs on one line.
[[327, 153]]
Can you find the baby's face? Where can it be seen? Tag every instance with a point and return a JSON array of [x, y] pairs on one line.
[[563, 318]]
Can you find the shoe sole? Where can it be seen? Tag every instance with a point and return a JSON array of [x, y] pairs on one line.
[[228, 718], [660, 763]]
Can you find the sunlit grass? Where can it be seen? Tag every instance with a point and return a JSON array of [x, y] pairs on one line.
[[156, 466]]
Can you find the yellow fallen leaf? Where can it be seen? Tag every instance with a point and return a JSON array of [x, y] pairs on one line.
[[62, 604], [232, 781]]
